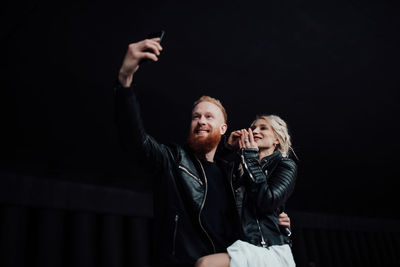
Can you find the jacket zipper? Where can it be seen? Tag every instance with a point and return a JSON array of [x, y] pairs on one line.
[[202, 205], [231, 182], [263, 244], [175, 230], [191, 174]]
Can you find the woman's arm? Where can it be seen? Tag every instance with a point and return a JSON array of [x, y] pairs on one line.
[[268, 191]]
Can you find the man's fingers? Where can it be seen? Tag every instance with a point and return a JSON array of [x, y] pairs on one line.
[[284, 224], [152, 46], [150, 56], [286, 219], [157, 42], [233, 139], [155, 39], [283, 215], [236, 133]]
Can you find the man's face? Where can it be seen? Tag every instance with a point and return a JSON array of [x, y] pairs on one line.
[[206, 127]]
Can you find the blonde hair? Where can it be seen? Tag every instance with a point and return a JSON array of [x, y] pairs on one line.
[[280, 129], [206, 98]]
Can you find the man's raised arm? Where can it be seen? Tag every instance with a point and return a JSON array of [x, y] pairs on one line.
[[133, 137]]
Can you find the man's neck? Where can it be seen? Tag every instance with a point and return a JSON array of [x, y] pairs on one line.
[[209, 156]]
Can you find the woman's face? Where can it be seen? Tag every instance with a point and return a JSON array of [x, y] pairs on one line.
[[264, 136]]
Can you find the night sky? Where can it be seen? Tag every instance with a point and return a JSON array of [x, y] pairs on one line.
[[329, 68]]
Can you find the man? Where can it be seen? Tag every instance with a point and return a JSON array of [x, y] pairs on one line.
[[195, 212]]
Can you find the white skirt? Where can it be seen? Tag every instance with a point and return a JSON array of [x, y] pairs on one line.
[[244, 254]]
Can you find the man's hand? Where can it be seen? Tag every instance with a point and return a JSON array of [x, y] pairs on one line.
[[284, 219], [233, 140], [146, 49]]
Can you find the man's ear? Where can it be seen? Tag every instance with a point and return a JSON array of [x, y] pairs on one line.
[[223, 128]]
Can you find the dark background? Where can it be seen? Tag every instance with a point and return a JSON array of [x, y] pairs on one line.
[[329, 68]]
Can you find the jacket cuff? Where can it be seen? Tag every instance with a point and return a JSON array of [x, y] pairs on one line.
[[250, 158], [118, 89], [250, 153]]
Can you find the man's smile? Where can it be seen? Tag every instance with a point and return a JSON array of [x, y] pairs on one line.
[[201, 131]]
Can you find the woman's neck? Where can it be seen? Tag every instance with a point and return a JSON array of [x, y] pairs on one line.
[[265, 152]]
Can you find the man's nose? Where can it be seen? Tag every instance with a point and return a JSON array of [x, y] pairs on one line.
[[202, 120]]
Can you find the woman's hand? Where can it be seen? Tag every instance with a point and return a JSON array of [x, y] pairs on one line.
[[247, 139]]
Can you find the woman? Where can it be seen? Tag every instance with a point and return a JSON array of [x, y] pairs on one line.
[[264, 181]]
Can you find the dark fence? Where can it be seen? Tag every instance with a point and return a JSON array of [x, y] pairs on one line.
[[54, 223], [328, 240]]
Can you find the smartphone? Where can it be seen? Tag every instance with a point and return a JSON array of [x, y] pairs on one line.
[[156, 34], [159, 34]]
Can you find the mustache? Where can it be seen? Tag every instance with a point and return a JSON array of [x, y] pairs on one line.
[[202, 145]]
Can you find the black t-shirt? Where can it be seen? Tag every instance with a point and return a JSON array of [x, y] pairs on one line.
[[217, 212]]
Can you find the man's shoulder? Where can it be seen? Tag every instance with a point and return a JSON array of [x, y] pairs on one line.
[[176, 148], [180, 152]]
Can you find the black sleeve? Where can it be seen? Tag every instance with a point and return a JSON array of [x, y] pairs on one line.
[[268, 191], [131, 132]]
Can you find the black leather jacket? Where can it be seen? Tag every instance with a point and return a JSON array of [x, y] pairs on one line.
[[180, 192], [261, 192]]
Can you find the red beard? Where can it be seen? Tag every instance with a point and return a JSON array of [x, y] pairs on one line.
[[201, 145]]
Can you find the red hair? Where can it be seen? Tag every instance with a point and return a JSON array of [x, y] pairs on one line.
[[206, 98]]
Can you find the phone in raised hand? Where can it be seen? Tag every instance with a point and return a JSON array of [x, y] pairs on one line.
[[159, 34]]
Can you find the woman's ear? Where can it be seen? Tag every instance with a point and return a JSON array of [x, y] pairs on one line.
[[276, 141]]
